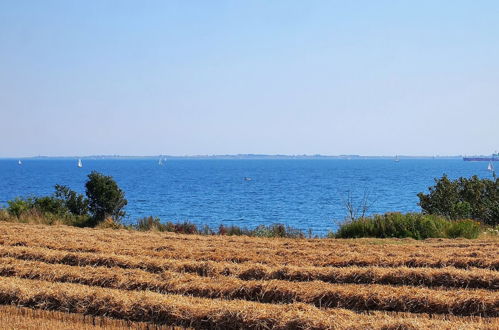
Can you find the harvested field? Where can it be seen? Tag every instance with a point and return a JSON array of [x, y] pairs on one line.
[[239, 282], [435, 253]]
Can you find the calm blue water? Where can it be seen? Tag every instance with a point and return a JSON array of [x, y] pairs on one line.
[[301, 193]]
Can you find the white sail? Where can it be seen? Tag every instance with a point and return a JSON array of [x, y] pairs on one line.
[[490, 167], [160, 162], [397, 159], [19, 162], [80, 164]]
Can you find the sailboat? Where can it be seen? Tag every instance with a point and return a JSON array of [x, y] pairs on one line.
[[397, 159], [80, 164], [160, 162], [19, 162], [490, 167]]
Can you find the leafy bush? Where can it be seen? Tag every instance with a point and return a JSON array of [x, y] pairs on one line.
[[233, 230], [185, 227], [76, 203], [50, 205], [414, 225], [105, 198], [44, 205], [4, 215], [154, 224], [463, 198], [149, 223], [17, 206], [37, 216], [276, 230], [206, 230], [464, 228]]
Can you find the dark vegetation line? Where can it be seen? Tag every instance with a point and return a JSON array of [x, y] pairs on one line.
[[451, 209]]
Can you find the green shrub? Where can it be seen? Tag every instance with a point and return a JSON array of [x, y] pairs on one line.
[[37, 216], [83, 220], [154, 223], [276, 230], [414, 225], [50, 205], [4, 215], [149, 223], [464, 228], [18, 205], [206, 230], [76, 203], [233, 230], [463, 198], [185, 227]]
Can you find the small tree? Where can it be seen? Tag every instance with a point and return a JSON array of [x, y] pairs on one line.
[[105, 198]]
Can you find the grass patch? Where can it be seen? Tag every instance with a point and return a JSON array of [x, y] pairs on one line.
[[412, 225]]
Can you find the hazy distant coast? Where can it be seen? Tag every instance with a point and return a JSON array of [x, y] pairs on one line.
[[240, 156]]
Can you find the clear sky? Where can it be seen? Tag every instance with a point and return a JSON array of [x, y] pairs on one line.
[[226, 77]]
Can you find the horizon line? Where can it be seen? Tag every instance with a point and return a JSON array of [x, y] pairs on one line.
[[247, 155]]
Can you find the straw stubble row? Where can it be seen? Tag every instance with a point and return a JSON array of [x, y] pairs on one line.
[[205, 313], [447, 276], [298, 252], [320, 294]]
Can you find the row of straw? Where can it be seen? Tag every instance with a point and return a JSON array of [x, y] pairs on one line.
[[431, 277], [240, 250], [320, 294], [158, 264], [204, 313]]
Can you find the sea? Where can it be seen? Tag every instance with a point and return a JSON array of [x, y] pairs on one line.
[[308, 194]]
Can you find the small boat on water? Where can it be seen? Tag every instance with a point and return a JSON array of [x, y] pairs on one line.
[[490, 167], [19, 162], [247, 179], [80, 164], [397, 159], [161, 161]]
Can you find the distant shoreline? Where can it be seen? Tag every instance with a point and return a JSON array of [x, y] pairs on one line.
[[238, 156]]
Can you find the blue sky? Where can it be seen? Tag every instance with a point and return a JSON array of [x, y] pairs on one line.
[[226, 77]]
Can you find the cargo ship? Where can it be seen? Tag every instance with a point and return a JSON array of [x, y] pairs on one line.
[[493, 158]]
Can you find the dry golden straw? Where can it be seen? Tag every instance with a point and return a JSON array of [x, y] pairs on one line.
[[67, 275]]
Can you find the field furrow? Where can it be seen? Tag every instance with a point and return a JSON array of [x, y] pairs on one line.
[[443, 277], [205, 313], [320, 294], [298, 252], [246, 270]]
